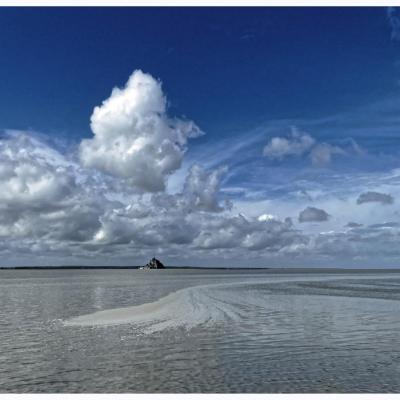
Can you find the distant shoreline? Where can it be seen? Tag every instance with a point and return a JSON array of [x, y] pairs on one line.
[[269, 269]]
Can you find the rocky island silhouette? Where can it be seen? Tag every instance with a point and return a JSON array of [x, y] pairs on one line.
[[153, 264]]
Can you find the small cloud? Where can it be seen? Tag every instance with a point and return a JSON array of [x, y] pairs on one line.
[[376, 197], [280, 147], [266, 217], [248, 36], [353, 225], [312, 214], [384, 225], [302, 144]]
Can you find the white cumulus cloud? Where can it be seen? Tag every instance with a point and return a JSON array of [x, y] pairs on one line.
[[134, 138], [40, 197], [377, 197], [313, 214], [280, 147], [302, 144]]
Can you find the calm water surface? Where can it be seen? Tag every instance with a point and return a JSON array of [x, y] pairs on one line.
[[199, 331]]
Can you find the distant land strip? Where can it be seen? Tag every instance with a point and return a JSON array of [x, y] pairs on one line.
[[269, 269]]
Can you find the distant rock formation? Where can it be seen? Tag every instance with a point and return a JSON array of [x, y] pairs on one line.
[[153, 264]]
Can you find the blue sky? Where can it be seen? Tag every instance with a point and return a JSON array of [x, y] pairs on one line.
[[293, 110], [222, 67]]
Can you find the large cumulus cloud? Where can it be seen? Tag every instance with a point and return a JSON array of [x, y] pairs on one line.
[[194, 219], [50, 205], [43, 195], [134, 138]]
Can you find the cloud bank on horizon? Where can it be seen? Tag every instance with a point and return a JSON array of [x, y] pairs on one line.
[[108, 202]]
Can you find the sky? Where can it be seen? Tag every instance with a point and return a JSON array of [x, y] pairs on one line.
[[241, 137]]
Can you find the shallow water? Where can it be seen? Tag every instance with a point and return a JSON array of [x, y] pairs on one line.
[[199, 331]]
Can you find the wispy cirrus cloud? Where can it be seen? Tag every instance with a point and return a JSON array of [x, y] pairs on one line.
[[393, 15]]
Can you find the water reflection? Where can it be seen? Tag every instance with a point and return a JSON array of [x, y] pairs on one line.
[[272, 333]]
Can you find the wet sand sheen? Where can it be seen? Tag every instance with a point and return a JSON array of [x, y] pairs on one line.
[[193, 306], [199, 331]]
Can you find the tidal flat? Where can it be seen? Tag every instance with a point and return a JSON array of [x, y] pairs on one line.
[[199, 331]]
